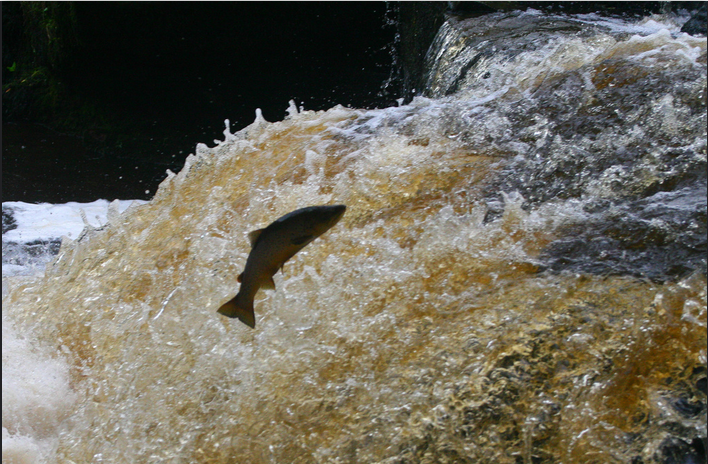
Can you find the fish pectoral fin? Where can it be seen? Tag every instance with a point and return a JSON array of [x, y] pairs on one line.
[[302, 239], [268, 284], [253, 236]]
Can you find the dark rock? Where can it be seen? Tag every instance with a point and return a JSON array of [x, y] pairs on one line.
[[698, 24], [32, 254], [686, 407], [8, 220], [418, 22], [676, 451], [652, 237]]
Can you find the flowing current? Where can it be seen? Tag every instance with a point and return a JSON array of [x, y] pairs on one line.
[[519, 276]]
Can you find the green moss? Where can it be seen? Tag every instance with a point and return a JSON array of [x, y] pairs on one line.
[[40, 45], [40, 36]]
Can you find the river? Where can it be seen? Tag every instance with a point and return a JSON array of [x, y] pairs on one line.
[[520, 275]]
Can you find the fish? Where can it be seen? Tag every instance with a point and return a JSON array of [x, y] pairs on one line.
[[271, 248]]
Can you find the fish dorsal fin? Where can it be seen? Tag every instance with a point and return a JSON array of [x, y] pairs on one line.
[[240, 276], [302, 239], [268, 284], [253, 236]]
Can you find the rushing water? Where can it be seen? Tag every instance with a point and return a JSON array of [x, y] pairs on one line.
[[519, 277]]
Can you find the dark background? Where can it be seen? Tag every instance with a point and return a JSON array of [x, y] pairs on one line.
[[104, 97]]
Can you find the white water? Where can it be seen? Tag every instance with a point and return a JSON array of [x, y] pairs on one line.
[[412, 330], [36, 393]]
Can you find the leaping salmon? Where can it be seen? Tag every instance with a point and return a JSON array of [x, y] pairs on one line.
[[271, 248]]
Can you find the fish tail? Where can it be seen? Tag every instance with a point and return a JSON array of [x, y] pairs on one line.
[[238, 308]]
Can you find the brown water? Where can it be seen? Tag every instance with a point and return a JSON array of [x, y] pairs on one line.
[[421, 328]]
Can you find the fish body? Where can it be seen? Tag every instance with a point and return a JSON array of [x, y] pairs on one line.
[[271, 248]]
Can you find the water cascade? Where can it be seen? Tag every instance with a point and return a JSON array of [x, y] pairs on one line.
[[519, 277]]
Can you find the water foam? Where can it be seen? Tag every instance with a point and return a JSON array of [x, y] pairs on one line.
[[420, 326]]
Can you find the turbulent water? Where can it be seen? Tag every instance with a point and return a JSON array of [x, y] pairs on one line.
[[519, 276]]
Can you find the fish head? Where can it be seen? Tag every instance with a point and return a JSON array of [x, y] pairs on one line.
[[306, 224], [324, 218], [313, 220]]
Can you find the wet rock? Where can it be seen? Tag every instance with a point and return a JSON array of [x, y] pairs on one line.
[[661, 236], [676, 451], [8, 220], [698, 24], [700, 380], [35, 253]]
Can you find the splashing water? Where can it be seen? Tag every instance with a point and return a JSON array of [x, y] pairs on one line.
[[438, 321]]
